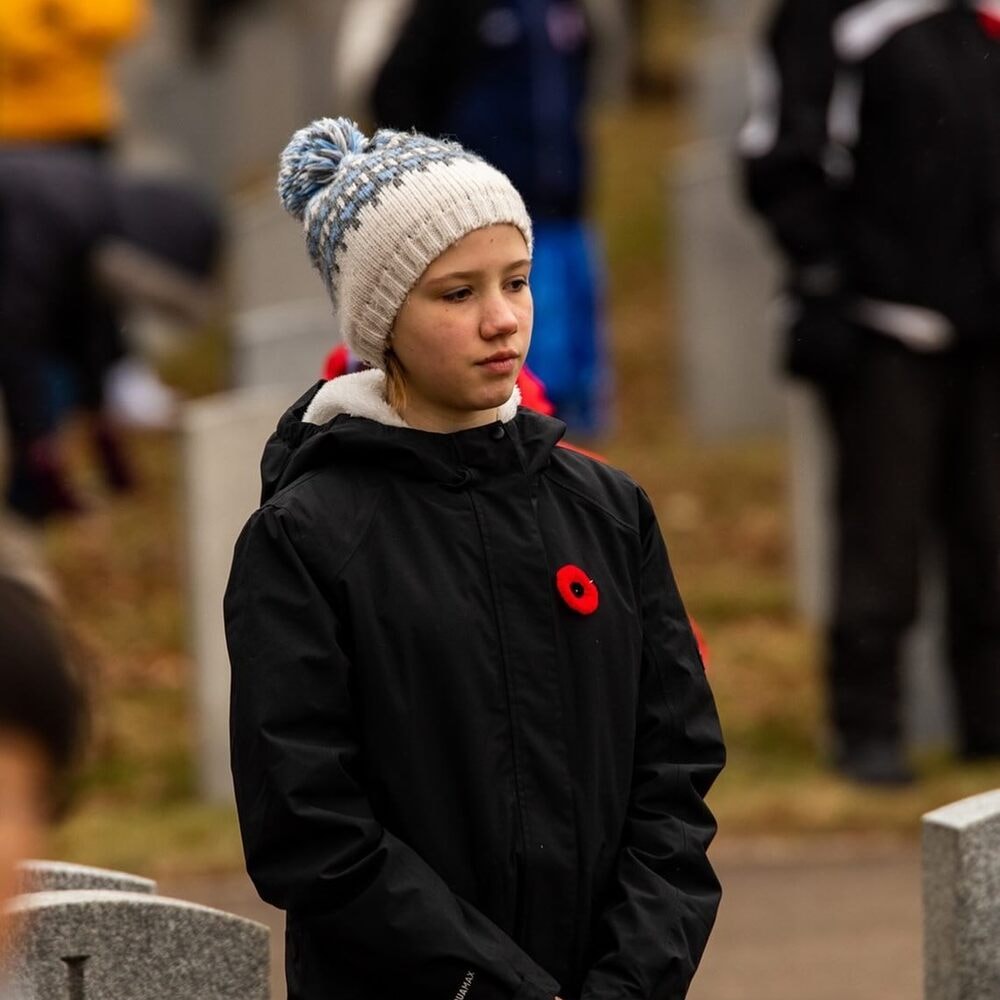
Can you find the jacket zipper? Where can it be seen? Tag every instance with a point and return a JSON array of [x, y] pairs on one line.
[[520, 857], [520, 902]]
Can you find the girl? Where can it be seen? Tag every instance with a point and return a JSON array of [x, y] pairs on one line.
[[472, 734]]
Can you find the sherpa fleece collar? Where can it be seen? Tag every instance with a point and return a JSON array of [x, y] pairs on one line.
[[362, 394]]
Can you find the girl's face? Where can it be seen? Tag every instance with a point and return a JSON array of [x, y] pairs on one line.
[[464, 329]]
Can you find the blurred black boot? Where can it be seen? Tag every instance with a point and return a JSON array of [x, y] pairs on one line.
[[874, 762], [111, 456], [39, 487]]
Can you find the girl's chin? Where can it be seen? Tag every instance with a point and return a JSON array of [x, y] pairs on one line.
[[496, 394]]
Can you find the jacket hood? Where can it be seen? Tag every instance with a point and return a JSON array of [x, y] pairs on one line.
[[346, 421]]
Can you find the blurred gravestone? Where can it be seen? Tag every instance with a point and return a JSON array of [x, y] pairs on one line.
[[21, 554], [281, 335], [105, 945], [223, 436], [725, 286], [961, 849], [716, 87], [283, 344], [725, 277], [268, 261], [743, 13], [227, 117], [61, 876]]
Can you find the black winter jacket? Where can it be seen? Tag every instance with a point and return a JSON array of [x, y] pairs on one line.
[[873, 152], [455, 784]]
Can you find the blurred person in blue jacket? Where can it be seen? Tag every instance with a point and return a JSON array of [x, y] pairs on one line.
[[470, 70]]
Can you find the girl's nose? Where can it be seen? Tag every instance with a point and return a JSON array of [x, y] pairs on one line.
[[498, 319]]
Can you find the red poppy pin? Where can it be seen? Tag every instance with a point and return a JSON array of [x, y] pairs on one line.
[[577, 590]]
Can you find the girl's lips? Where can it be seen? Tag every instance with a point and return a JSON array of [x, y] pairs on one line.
[[499, 366]]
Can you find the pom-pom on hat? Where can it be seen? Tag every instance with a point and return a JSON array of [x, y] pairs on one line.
[[378, 211]]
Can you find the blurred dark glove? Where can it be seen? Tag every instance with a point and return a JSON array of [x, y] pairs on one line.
[[821, 346]]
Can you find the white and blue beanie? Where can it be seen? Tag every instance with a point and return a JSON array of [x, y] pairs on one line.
[[378, 211]]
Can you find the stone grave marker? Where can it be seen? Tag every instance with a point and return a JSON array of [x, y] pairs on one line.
[[268, 260], [725, 286], [106, 945], [21, 555], [961, 857], [283, 345], [61, 876], [223, 438], [717, 84], [725, 14], [725, 275], [225, 119]]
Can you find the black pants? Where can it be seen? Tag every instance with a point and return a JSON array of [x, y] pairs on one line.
[[51, 308], [918, 450]]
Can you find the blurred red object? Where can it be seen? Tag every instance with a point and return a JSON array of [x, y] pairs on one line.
[[990, 22], [533, 394], [339, 362], [699, 637]]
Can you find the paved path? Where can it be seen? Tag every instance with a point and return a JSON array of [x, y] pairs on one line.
[[814, 920], [823, 921]]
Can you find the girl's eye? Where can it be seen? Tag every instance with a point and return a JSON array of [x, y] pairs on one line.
[[519, 284], [459, 295]]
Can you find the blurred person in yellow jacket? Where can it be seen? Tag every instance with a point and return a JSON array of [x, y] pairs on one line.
[[56, 82]]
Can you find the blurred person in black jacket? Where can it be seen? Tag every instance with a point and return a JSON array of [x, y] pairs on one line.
[[873, 154]]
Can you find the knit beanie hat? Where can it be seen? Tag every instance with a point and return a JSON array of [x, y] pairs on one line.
[[378, 211]]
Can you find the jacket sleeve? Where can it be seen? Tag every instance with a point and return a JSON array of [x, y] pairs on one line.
[[785, 142], [663, 902], [311, 840]]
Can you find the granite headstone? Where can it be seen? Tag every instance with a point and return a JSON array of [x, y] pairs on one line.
[[226, 118], [283, 344], [223, 437], [62, 876], [961, 857], [725, 287], [105, 945], [268, 261]]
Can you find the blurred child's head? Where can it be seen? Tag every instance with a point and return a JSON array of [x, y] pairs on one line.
[[41, 723]]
